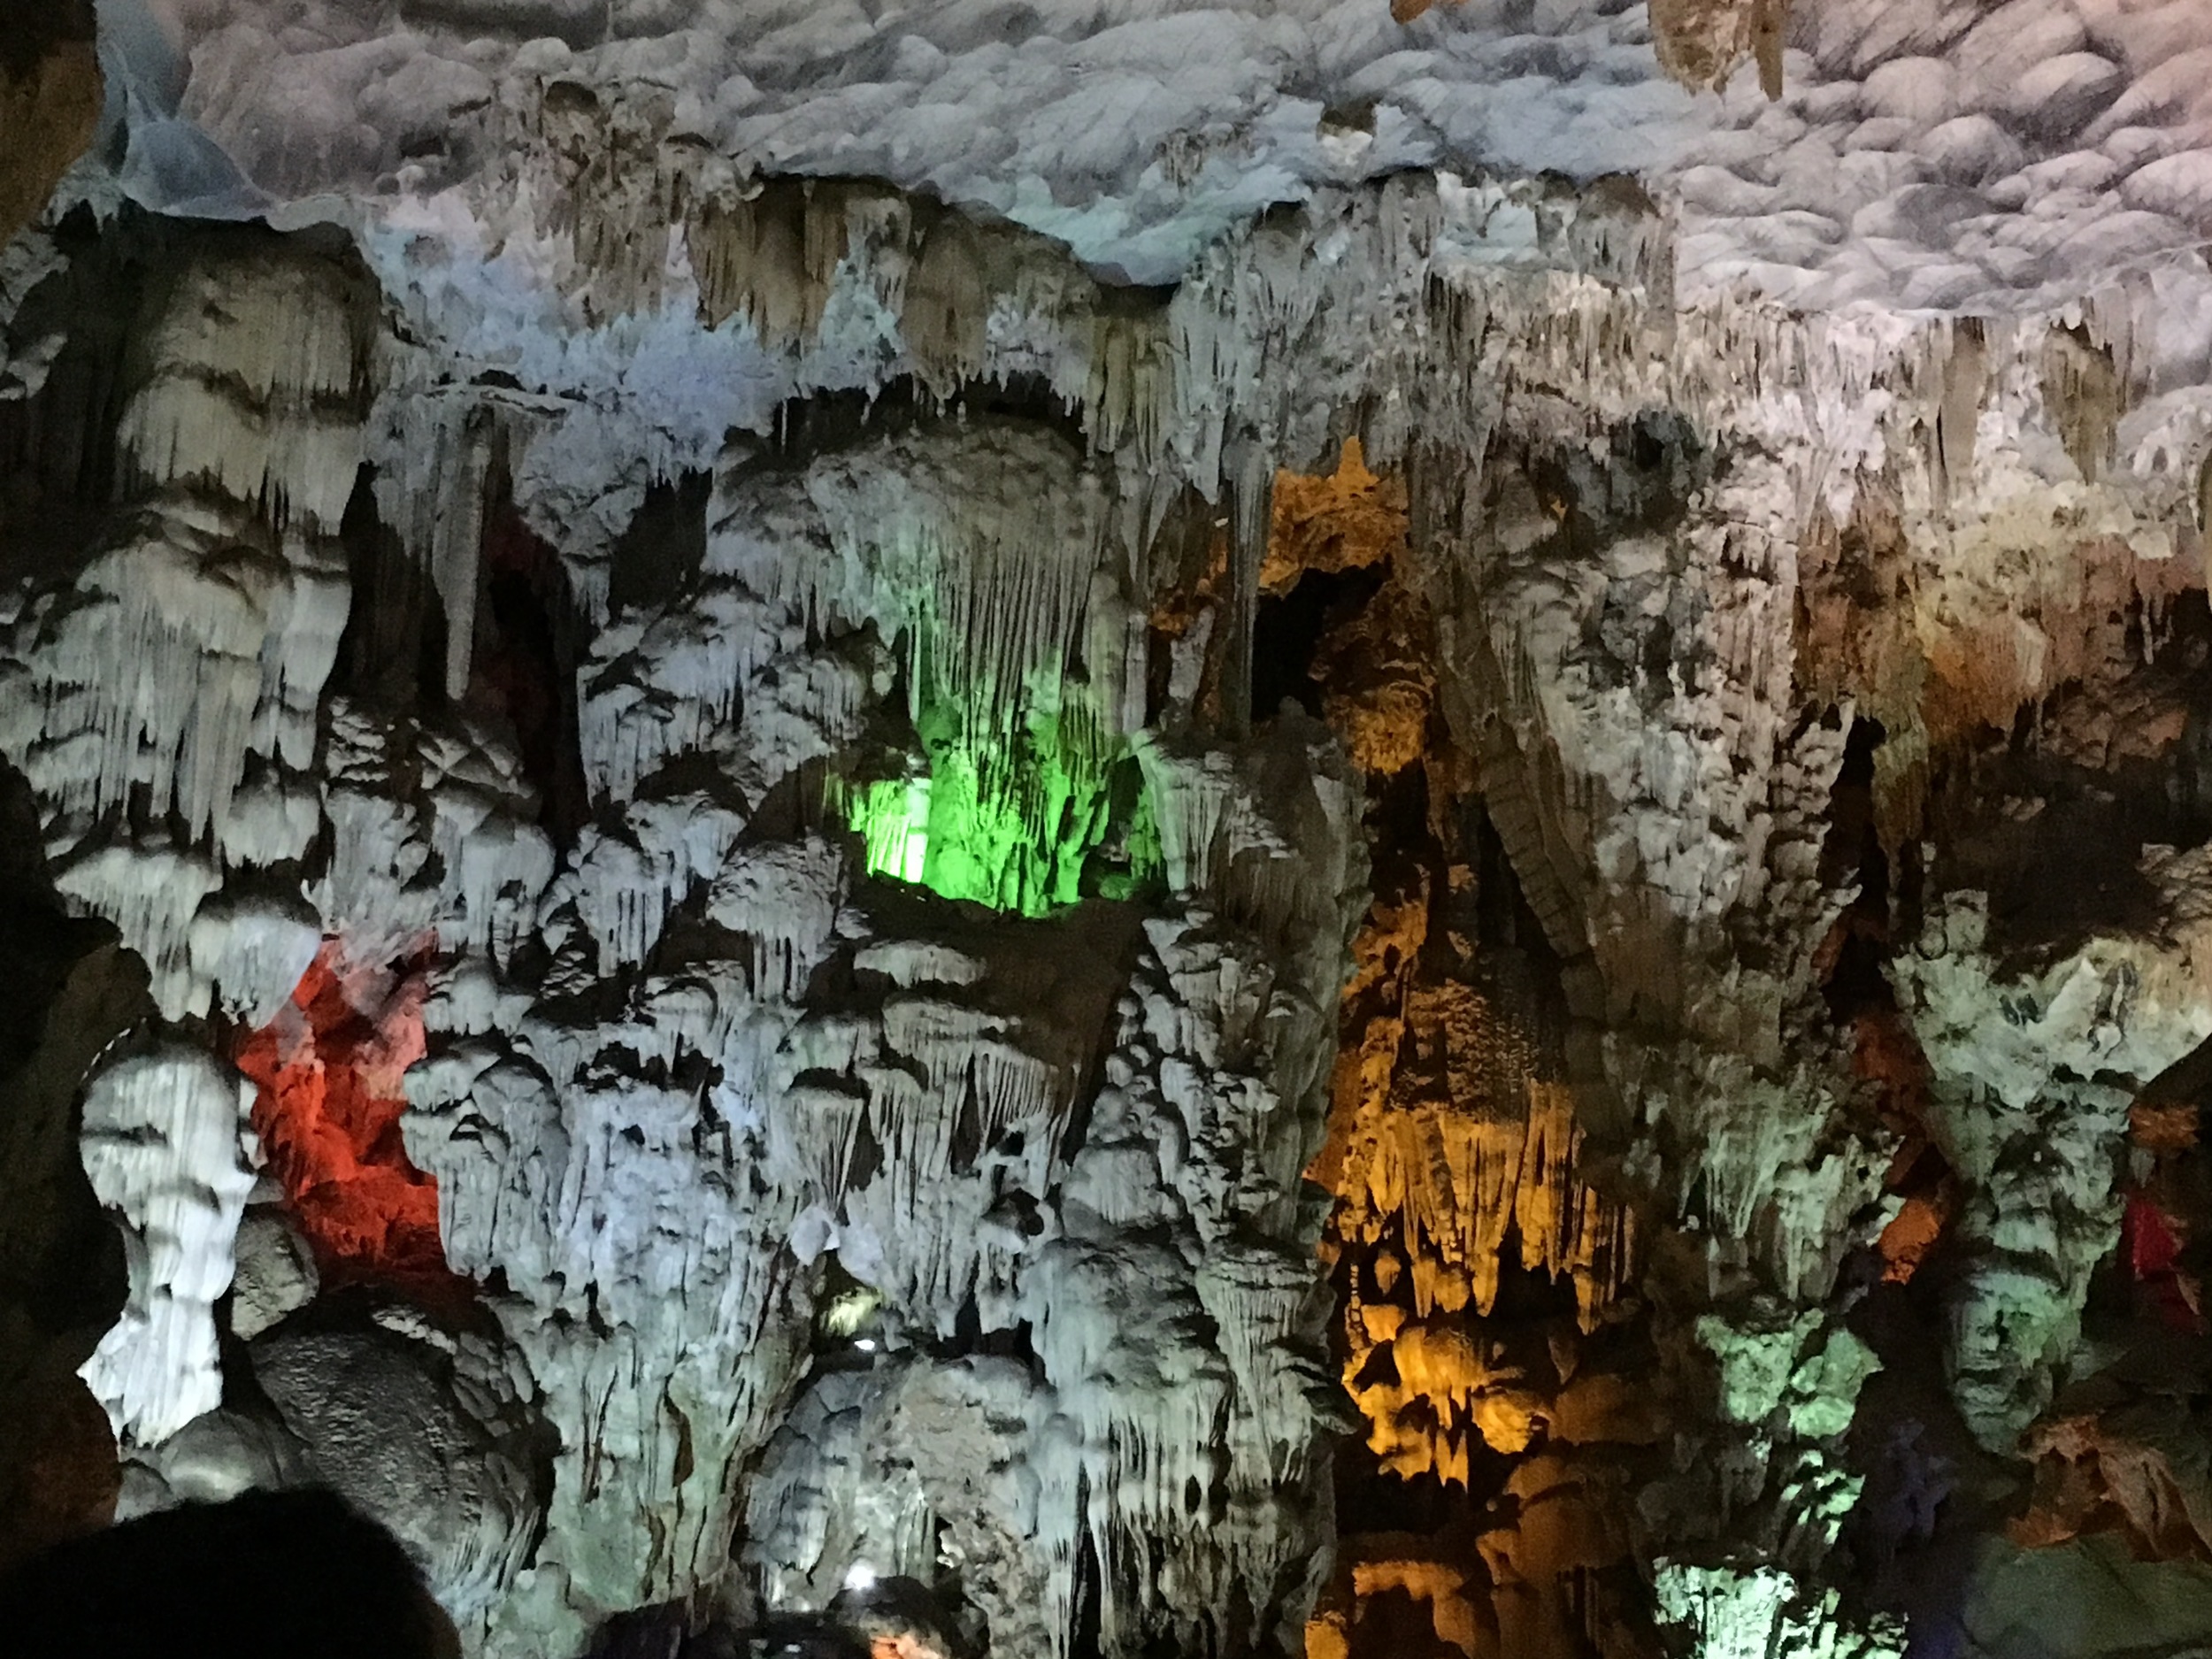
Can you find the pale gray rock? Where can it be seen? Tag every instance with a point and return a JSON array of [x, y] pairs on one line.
[[388, 1423], [275, 1273], [212, 1459]]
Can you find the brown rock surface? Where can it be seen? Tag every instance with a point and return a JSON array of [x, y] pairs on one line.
[[58, 1472], [49, 105]]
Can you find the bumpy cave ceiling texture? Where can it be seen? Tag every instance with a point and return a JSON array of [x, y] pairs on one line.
[[1102, 829]]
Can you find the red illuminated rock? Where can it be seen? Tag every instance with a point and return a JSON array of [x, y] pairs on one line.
[[328, 1069]]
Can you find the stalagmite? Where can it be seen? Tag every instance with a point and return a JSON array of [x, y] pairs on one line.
[[167, 1148]]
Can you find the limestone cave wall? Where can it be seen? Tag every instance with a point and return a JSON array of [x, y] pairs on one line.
[[1363, 901]]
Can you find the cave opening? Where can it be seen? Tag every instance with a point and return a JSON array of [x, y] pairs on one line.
[[393, 651], [1288, 631], [525, 660], [663, 545]]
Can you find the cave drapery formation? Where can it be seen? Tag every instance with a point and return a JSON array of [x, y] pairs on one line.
[[1334, 829]]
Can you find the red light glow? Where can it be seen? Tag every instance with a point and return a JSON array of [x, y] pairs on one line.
[[328, 1068]]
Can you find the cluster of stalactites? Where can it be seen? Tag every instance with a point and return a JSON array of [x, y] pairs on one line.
[[258, 384], [772, 253], [1452, 1188], [1520, 286], [988, 555], [1180, 382], [166, 710], [222, 603], [980, 551]]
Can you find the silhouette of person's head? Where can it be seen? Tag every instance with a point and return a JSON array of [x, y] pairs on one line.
[[270, 1573]]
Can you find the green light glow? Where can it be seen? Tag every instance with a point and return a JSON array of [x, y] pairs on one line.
[[1029, 823], [892, 814], [1763, 1613]]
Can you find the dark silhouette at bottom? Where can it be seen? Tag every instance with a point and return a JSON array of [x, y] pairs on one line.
[[271, 1573]]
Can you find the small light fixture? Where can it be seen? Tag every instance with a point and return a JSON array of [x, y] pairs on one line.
[[860, 1578], [866, 1344]]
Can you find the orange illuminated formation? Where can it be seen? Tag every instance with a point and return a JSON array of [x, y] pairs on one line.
[[1480, 1272], [329, 1067]]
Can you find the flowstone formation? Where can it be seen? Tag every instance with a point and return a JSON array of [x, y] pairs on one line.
[[1274, 870]]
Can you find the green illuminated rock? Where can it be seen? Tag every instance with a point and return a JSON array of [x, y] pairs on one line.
[[1014, 823], [1764, 1613]]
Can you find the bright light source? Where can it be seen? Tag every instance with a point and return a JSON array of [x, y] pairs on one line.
[[866, 1345], [860, 1578]]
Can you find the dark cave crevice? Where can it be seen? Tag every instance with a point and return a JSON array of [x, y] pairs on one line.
[[830, 419], [29, 37], [525, 660], [59, 458], [393, 650], [1514, 962], [73, 987], [63, 1275], [2052, 817], [1288, 629], [663, 546], [1085, 1642], [1854, 977], [2063, 863]]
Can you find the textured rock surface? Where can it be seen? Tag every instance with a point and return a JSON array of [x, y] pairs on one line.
[[275, 1273], [405, 1431], [1477, 928]]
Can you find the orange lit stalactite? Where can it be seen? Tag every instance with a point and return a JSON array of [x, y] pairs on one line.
[[1886, 1054], [328, 1068]]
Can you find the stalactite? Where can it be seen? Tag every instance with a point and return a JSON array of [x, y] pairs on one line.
[[769, 257], [1128, 376], [2082, 389], [435, 454], [268, 412]]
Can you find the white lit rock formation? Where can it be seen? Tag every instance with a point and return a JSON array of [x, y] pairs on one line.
[[1202, 832]]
